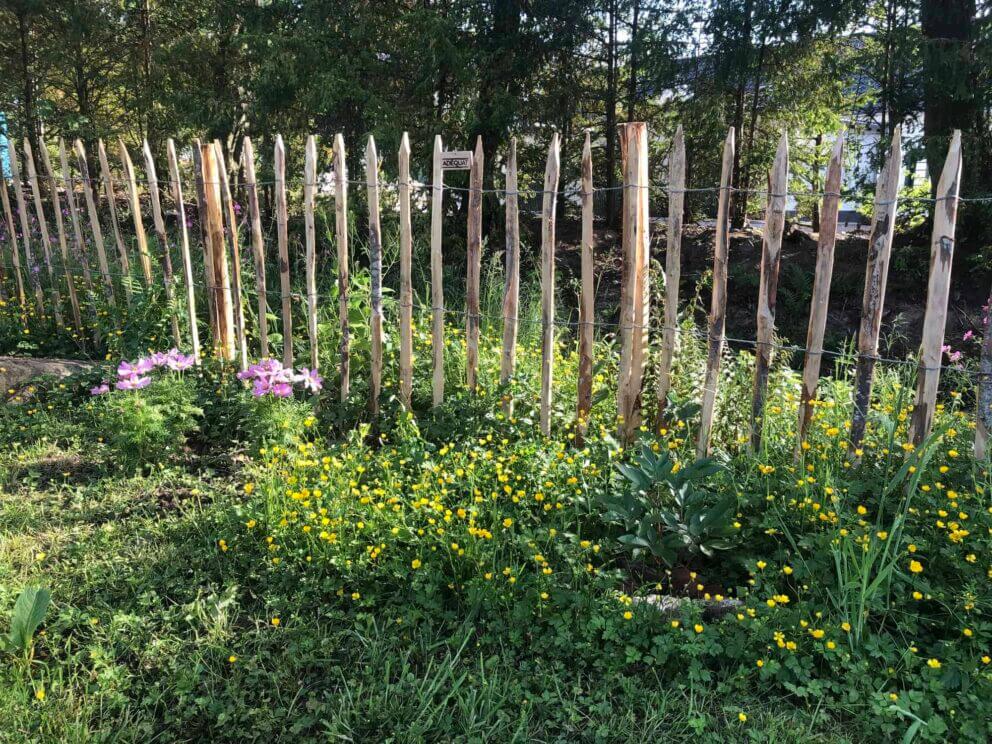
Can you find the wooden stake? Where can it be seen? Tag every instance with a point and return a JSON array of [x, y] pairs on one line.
[[163, 240], [139, 225], [79, 244], [282, 223], [548, 214], [341, 228], [257, 243], [223, 331], [309, 191], [511, 294], [232, 225], [70, 281], [984, 417], [32, 267], [635, 301], [934, 321], [108, 190], [876, 274], [673, 271], [771, 253], [829, 214], [201, 216], [177, 197], [718, 307], [101, 252], [587, 314], [406, 276], [12, 236], [437, 274], [474, 268], [46, 241], [375, 269]]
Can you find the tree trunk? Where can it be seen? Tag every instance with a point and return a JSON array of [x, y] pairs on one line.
[[610, 124]]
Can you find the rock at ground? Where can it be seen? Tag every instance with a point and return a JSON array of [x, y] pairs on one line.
[[16, 371], [668, 605]]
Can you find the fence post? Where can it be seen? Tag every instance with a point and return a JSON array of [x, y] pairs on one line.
[[406, 276], [876, 273], [945, 214], [375, 271], [162, 238], [511, 293], [635, 300], [177, 197], [548, 215], [77, 317], [673, 270], [341, 228], [79, 245], [101, 252], [771, 253], [718, 306], [587, 315], [474, 268], [223, 330], [108, 188], [984, 413], [33, 269], [829, 214], [257, 243], [12, 236], [139, 225], [437, 274], [201, 214], [282, 224], [309, 191], [46, 241], [235, 271]]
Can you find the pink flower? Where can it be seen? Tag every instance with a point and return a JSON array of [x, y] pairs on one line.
[[100, 389], [133, 383], [968, 336], [282, 390], [311, 380]]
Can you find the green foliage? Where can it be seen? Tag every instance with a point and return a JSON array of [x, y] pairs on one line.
[[668, 510], [29, 613]]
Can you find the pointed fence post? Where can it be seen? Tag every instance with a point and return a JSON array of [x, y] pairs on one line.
[[8, 216], [235, 270], [587, 314], [257, 243], [983, 427], [163, 241], [282, 225], [310, 230], [437, 274], [90, 199], [635, 294], [223, 330], [201, 217], [79, 245], [511, 293], [46, 240], [945, 212], [33, 268], [474, 268], [829, 214], [673, 271], [375, 270], [139, 225], [771, 254], [548, 215], [406, 276], [718, 306], [177, 197], [108, 189], [70, 281], [341, 228], [876, 274]]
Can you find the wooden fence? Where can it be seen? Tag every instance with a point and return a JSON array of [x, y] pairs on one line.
[[222, 266]]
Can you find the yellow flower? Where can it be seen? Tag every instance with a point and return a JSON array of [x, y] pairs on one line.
[[816, 633], [787, 570], [276, 621], [698, 628], [675, 623], [356, 596], [846, 626], [967, 632], [759, 663], [916, 567], [742, 717], [232, 658], [933, 664], [40, 693], [415, 563], [249, 487], [628, 615], [507, 522], [862, 510]]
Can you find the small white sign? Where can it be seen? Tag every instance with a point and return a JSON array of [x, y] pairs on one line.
[[456, 160]]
